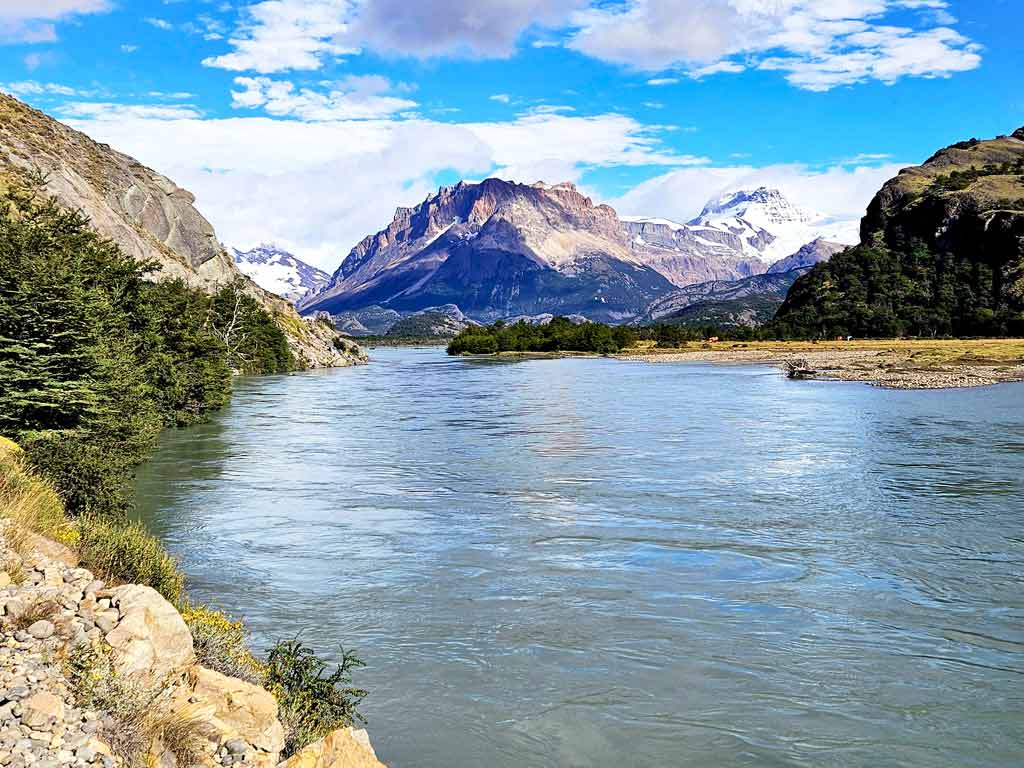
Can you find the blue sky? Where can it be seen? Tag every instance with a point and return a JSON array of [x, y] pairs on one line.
[[307, 121]]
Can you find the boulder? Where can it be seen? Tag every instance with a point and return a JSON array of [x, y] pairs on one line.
[[230, 710], [151, 640], [344, 748], [42, 710]]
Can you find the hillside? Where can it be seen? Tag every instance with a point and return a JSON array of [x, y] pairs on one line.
[[941, 253], [149, 217]]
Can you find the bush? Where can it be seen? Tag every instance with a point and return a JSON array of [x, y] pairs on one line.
[[313, 703], [134, 708], [222, 644], [125, 552]]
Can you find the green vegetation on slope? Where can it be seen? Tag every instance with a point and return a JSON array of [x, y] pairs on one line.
[[95, 360], [942, 254]]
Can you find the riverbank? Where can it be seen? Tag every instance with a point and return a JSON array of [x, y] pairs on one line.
[[893, 364], [106, 663]]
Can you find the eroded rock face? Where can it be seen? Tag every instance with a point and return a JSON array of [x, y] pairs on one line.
[[345, 748], [232, 709], [151, 640]]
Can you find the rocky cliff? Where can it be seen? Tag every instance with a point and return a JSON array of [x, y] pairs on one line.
[[55, 618], [146, 214]]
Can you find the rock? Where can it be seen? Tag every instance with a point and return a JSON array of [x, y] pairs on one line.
[[344, 748], [106, 621], [151, 640], [233, 709], [42, 709], [41, 630], [5, 579]]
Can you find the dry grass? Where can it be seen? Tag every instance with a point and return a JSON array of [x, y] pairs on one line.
[[936, 352], [29, 504], [38, 610]]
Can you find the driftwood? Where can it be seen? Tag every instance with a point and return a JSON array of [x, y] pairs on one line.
[[799, 369]]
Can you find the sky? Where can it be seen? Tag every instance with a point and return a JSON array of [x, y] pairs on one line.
[[307, 122]]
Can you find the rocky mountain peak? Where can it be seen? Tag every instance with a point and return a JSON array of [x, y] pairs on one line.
[[1019, 133], [280, 272], [762, 206]]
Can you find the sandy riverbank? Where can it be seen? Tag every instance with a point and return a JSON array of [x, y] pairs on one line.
[[895, 364]]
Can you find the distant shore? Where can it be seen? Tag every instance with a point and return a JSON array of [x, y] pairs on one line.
[[893, 364]]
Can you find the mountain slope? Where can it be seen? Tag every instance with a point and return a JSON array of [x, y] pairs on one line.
[[941, 253], [813, 253], [497, 249], [149, 217], [770, 288], [280, 272]]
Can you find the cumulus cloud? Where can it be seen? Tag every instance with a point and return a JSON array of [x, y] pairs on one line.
[[819, 44], [352, 98], [33, 21], [282, 35], [319, 187]]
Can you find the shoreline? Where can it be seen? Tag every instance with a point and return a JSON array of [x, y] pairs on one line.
[[891, 364]]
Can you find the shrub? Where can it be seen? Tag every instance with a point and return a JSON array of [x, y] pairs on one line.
[[135, 709], [221, 644], [125, 552], [313, 703]]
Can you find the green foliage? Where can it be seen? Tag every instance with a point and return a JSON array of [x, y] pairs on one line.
[[560, 335], [221, 644], [125, 552], [95, 360], [313, 703], [877, 291]]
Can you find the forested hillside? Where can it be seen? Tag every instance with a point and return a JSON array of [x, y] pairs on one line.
[[95, 360], [941, 254]]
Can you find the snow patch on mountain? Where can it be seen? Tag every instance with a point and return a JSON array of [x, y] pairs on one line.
[[749, 211], [280, 272]]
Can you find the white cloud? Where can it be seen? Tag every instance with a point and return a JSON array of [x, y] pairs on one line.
[[282, 35], [159, 23], [819, 44], [110, 112], [129, 48], [35, 88], [33, 21], [353, 98], [504, 98], [318, 188], [842, 191]]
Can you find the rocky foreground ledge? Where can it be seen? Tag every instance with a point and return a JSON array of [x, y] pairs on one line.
[[65, 634]]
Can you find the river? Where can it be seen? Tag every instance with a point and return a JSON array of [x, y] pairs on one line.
[[588, 562]]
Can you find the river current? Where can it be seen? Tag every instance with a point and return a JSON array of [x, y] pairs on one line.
[[588, 562]]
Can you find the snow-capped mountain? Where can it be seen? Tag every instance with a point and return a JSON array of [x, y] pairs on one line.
[[749, 213], [280, 272]]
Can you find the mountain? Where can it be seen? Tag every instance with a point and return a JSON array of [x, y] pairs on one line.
[[751, 213], [813, 253], [497, 249], [280, 272], [687, 254], [941, 253], [147, 215], [761, 290], [435, 322]]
